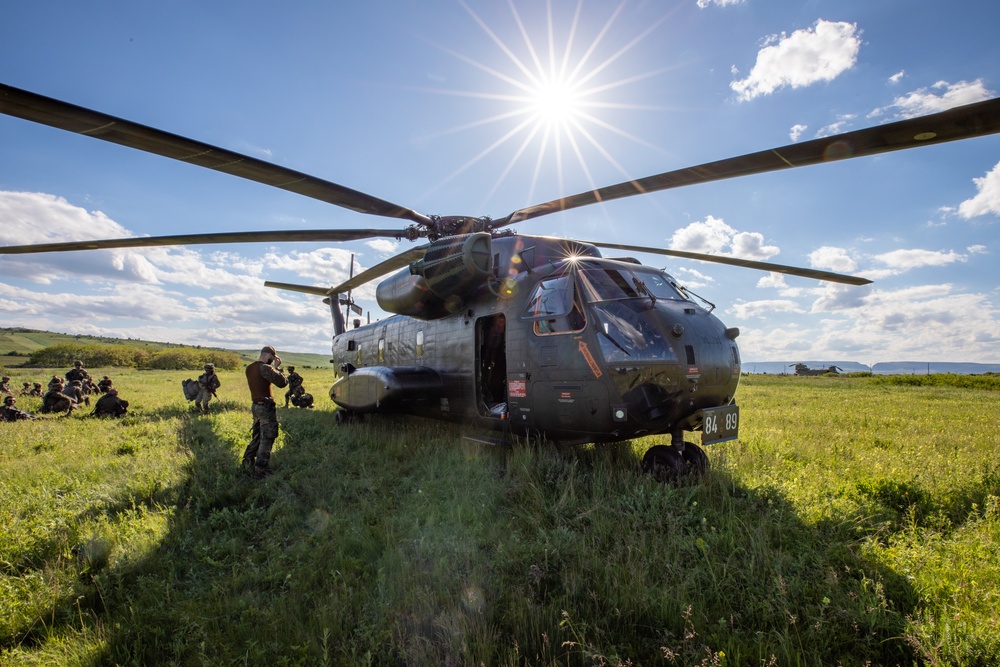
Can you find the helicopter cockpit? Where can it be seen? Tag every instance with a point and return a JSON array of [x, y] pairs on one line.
[[617, 297]]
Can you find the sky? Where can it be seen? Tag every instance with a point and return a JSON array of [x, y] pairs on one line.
[[476, 107]]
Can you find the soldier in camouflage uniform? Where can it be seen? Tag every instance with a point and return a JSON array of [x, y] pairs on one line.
[[261, 374], [5, 386], [104, 384], [25, 389], [36, 389], [77, 373], [294, 382], [208, 382], [109, 405], [56, 401], [75, 391], [8, 413]]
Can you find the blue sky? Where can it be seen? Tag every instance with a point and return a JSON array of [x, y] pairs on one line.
[[436, 105]]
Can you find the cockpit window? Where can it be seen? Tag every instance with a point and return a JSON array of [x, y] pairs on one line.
[[554, 308], [607, 283], [626, 334]]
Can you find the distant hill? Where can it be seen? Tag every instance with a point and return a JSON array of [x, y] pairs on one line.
[[16, 343], [882, 368]]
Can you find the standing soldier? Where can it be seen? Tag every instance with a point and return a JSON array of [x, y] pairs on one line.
[[208, 382], [77, 373], [294, 382], [5, 386], [261, 374]]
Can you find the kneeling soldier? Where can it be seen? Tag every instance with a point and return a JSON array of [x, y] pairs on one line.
[[56, 401], [109, 405]]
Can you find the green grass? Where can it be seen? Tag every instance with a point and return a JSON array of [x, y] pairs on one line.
[[855, 522]]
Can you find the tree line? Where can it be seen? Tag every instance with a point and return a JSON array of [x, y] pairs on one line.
[[128, 356]]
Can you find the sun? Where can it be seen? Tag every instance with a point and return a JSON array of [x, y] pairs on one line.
[[548, 95], [555, 102]]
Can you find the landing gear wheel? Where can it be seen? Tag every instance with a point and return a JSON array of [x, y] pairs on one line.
[[664, 463], [344, 417], [696, 459]]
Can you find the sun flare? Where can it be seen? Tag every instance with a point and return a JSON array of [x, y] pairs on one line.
[[549, 94], [555, 102]]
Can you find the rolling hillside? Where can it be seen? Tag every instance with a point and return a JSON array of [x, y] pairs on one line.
[[16, 343]]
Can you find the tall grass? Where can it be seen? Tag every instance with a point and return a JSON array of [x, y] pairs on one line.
[[853, 523]]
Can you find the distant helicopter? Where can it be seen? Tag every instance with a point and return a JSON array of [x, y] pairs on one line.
[[802, 369], [516, 334]]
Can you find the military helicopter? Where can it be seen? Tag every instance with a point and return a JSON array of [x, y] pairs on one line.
[[803, 369], [519, 334]]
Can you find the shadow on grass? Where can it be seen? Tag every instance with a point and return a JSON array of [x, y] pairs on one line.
[[388, 543]]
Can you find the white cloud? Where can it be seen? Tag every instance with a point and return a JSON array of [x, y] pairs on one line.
[[832, 259], [720, 3], [715, 237], [803, 58], [925, 101], [908, 259], [382, 246], [897, 77], [797, 131], [987, 201], [763, 308]]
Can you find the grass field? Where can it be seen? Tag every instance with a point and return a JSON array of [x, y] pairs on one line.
[[854, 522]]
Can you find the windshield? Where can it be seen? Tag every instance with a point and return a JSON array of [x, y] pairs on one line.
[[626, 333], [612, 283]]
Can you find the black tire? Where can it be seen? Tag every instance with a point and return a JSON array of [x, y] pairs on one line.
[[664, 463], [696, 460]]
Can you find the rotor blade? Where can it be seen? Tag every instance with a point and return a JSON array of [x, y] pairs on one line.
[[745, 263], [313, 235], [65, 116], [291, 287], [964, 122], [393, 263]]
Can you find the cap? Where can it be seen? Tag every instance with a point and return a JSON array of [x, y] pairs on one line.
[[78, 363], [269, 350], [209, 367], [291, 368]]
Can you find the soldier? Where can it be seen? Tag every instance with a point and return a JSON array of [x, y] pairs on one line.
[[294, 382], [208, 382], [301, 398], [36, 389], [56, 401], [77, 373], [75, 391], [8, 413], [109, 405], [5, 386], [25, 389], [261, 374], [55, 381], [104, 384]]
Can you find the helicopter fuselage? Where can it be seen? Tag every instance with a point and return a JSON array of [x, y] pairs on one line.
[[557, 340]]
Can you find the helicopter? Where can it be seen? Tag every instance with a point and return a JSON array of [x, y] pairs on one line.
[[803, 369], [517, 334]]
